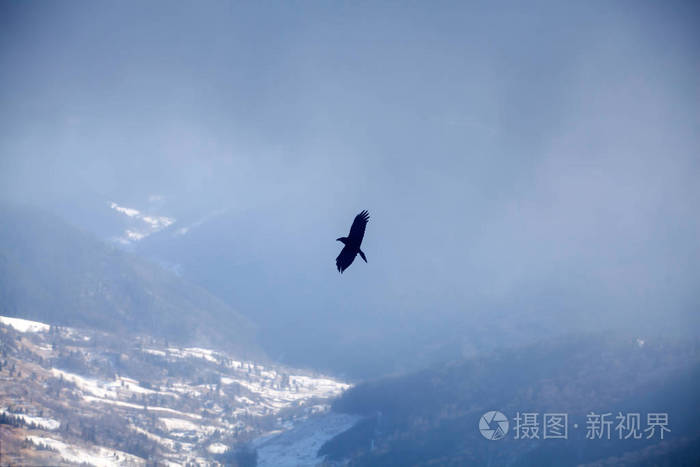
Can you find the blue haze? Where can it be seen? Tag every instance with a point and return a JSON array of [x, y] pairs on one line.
[[531, 168]]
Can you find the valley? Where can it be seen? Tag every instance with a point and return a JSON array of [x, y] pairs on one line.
[[73, 395]]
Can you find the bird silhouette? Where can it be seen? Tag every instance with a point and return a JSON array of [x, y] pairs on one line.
[[352, 242]]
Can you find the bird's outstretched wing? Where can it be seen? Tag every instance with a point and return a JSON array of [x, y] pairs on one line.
[[357, 230], [345, 258]]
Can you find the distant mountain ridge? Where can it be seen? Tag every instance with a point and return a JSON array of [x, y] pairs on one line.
[[432, 417], [56, 273]]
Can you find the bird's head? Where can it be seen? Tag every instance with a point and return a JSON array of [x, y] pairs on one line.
[[344, 240]]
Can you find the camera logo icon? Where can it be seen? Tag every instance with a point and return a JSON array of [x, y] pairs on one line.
[[493, 425]]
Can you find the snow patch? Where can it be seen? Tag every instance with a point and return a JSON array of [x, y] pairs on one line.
[[197, 352], [93, 386], [141, 406], [24, 325], [299, 446], [128, 211], [98, 456], [148, 225], [167, 442], [178, 424], [217, 448], [107, 391], [45, 423], [131, 235]]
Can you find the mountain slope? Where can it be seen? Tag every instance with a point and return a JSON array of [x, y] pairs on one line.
[[52, 272], [433, 417], [92, 397]]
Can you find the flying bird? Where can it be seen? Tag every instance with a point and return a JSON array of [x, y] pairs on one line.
[[352, 242]]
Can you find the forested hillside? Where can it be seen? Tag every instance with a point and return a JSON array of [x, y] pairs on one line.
[[54, 273], [432, 417]]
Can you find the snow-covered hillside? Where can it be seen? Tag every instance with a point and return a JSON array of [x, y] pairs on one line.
[[72, 391], [24, 325]]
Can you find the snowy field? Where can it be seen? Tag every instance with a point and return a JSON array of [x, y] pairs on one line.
[[298, 446], [24, 325], [95, 455]]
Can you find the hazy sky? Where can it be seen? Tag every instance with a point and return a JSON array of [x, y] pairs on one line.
[[526, 156]]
